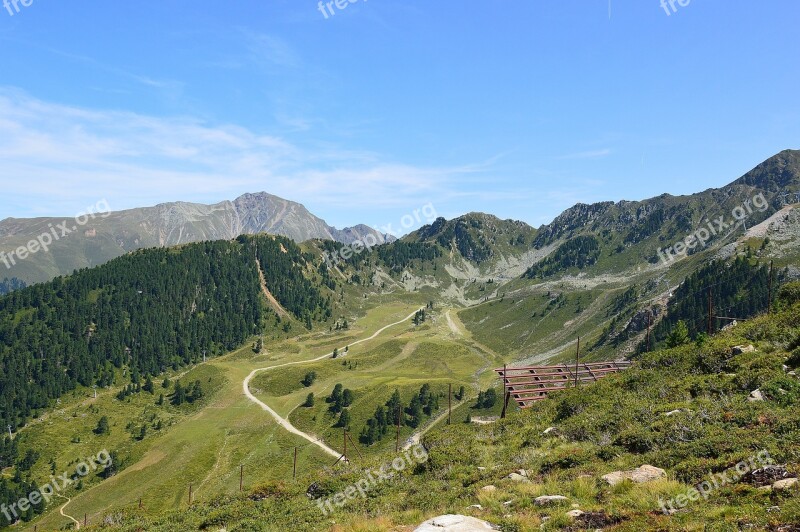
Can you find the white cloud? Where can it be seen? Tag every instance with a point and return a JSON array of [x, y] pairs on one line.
[[52, 155]]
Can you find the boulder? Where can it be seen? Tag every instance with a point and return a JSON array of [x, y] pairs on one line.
[[574, 514], [642, 474], [756, 395], [454, 523], [489, 489], [739, 349], [784, 484], [546, 500], [516, 477]]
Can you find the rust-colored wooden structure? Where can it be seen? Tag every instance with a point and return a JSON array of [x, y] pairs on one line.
[[529, 384]]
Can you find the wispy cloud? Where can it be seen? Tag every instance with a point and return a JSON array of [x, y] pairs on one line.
[[54, 154]]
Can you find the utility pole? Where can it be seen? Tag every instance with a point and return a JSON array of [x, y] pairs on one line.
[[204, 356], [11, 436], [294, 467], [241, 477], [345, 445], [95, 391], [577, 358]]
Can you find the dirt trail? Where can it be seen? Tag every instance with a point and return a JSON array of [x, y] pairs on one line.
[[61, 511], [284, 422], [276, 306]]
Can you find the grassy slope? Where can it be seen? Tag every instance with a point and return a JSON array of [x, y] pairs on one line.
[[618, 423]]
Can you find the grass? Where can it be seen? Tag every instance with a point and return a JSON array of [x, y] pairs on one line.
[[617, 423]]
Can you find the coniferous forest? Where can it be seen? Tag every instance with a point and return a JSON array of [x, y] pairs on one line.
[[149, 310]]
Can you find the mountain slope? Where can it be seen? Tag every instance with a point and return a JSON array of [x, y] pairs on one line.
[[109, 235]]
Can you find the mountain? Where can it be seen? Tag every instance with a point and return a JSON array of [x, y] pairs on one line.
[[108, 235]]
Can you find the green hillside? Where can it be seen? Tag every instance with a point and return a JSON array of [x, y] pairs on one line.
[[685, 410]]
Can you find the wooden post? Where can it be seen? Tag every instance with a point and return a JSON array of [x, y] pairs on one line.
[[140, 503], [241, 477], [190, 494], [769, 296], [294, 467], [505, 405], [361, 456], [397, 445], [449, 403], [85, 520], [577, 358], [710, 312]]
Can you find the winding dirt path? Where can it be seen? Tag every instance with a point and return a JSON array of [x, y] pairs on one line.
[[285, 422], [61, 511]]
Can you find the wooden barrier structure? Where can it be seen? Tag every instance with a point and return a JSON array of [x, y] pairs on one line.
[[529, 384]]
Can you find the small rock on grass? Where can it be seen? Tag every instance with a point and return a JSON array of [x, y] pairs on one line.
[[546, 500]]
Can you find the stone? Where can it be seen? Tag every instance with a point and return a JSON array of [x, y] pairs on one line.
[[784, 484], [475, 507], [546, 500], [574, 514], [756, 395], [516, 477], [739, 349], [489, 489], [522, 472], [549, 430], [454, 523], [672, 413], [642, 474]]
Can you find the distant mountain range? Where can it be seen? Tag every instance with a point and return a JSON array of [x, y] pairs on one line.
[[105, 237]]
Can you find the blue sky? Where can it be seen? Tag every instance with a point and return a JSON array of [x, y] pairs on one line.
[[518, 108]]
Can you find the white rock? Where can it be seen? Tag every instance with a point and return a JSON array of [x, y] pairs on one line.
[[545, 500], [489, 488], [574, 514], [672, 413], [548, 430], [784, 484], [516, 477], [756, 395], [475, 507], [642, 474], [453, 523], [739, 349]]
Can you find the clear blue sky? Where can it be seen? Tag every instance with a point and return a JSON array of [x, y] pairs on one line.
[[519, 108]]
